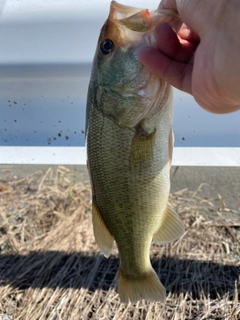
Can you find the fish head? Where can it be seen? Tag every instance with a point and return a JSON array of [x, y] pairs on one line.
[[125, 91]]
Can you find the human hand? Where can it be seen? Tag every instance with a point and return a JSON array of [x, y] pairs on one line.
[[203, 59]]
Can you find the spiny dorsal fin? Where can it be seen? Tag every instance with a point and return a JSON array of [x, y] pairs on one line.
[[171, 227], [102, 235]]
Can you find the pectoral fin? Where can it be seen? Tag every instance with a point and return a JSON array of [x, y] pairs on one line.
[[141, 149], [171, 227], [102, 235]]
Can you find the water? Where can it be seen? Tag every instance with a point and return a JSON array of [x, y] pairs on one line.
[[44, 105]]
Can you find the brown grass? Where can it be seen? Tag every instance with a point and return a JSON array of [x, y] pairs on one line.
[[50, 266]]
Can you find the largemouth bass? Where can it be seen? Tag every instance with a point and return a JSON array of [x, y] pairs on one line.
[[129, 148]]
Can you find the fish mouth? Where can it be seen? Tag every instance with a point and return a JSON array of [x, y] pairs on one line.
[[142, 20]]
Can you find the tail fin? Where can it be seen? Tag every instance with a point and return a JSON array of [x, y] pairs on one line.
[[147, 287]]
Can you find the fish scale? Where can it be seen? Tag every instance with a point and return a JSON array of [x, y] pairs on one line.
[[129, 160]]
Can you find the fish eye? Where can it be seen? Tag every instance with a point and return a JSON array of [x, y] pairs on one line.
[[106, 46]]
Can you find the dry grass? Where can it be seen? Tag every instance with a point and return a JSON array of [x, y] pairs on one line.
[[50, 267]]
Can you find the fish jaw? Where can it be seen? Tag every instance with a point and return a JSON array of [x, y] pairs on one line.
[[142, 20]]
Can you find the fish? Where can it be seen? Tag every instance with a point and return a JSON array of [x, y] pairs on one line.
[[129, 141]]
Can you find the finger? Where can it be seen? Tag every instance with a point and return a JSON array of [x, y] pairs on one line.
[[187, 34], [172, 61], [168, 43], [178, 74], [188, 45], [168, 4], [191, 13]]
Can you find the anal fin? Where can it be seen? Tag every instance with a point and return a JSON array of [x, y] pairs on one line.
[[102, 235], [171, 227]]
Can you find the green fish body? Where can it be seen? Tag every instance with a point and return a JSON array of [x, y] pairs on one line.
[[129, 148]]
